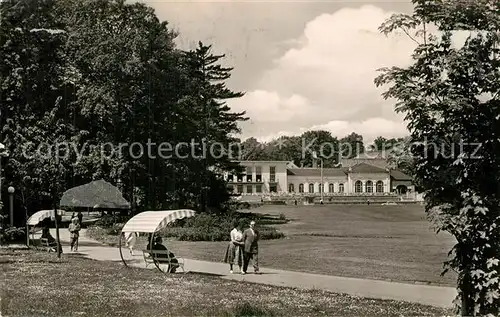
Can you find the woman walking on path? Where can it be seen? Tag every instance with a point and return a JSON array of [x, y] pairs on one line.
[[234, 249], [74, 229]]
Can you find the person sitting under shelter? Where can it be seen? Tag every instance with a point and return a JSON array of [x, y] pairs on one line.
[[50, 239], [163, 258]]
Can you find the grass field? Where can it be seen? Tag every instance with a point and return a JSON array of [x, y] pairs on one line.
[[38, 284], [393, 243], [377, 242]]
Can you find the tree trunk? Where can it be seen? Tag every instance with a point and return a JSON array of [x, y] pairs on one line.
[[58, 240], [467, 308], [27, 227]]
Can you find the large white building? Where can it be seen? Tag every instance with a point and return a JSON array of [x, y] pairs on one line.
[[263, 177], [260, 177]]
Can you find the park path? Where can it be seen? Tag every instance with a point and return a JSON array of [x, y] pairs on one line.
[[423, 294]]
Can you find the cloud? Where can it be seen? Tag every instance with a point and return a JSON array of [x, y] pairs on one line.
[[277, 108], [326, 80]]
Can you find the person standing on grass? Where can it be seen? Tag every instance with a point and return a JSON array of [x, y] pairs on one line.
[[74, 229], [234, 248], [251, 248]]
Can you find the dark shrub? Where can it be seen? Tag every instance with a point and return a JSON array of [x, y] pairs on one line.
[[12, 235], [202, 227], [115, 229], [108, 221], [211, 227], [249, 310]]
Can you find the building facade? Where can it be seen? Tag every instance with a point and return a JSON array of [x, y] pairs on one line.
[[281, 177], [259, 177], [358, 179]]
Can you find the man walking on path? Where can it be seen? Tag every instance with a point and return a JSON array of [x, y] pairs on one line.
[[251, 248]]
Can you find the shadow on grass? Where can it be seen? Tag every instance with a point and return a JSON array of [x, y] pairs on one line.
[[344, 236], [204, 274], [134, 261], [37, 243]]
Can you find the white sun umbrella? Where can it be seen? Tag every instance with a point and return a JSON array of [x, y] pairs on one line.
[[152, 222], [40, 216]]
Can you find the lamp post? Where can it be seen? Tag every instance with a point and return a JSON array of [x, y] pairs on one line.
[[3, 153], [11, 205], [321, 189], [119, 184], [322, 183], [132, 184]]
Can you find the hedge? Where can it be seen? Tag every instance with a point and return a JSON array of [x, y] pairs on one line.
[[206, 227]]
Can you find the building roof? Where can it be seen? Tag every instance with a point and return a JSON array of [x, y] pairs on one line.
[[311, 172], [400, 176], [366, 168], [280, 162], [374, 155], [379, 162]]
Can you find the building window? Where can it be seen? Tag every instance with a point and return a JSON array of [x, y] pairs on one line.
[[239, 189], [272, 174], [291, 188], [273, 188], [249, 173], [369, 187], [240, 178], [321, 188], [258, 188], [311, 188], [380, 187], [358, 187], [341, 188], [258, 173], [249, 189], [331, 189], [301, 188], [230, 178], [230, 189]]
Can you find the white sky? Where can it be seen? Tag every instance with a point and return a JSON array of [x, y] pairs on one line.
[[303, 65]]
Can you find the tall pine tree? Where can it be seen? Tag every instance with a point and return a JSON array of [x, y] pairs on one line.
[[211, 119]]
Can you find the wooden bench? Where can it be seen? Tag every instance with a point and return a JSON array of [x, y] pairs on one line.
[[151, 255], [44, 242]]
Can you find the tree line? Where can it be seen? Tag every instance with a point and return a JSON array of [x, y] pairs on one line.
[[89, 73], [299, 149]]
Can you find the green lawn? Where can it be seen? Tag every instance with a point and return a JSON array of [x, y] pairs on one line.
[[377, 242], [38, 284]]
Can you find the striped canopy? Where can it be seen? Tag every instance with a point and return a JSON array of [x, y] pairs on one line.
[[39, 216], [153, 221]]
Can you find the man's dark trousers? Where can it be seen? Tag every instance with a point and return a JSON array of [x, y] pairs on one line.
[[251, 256]]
